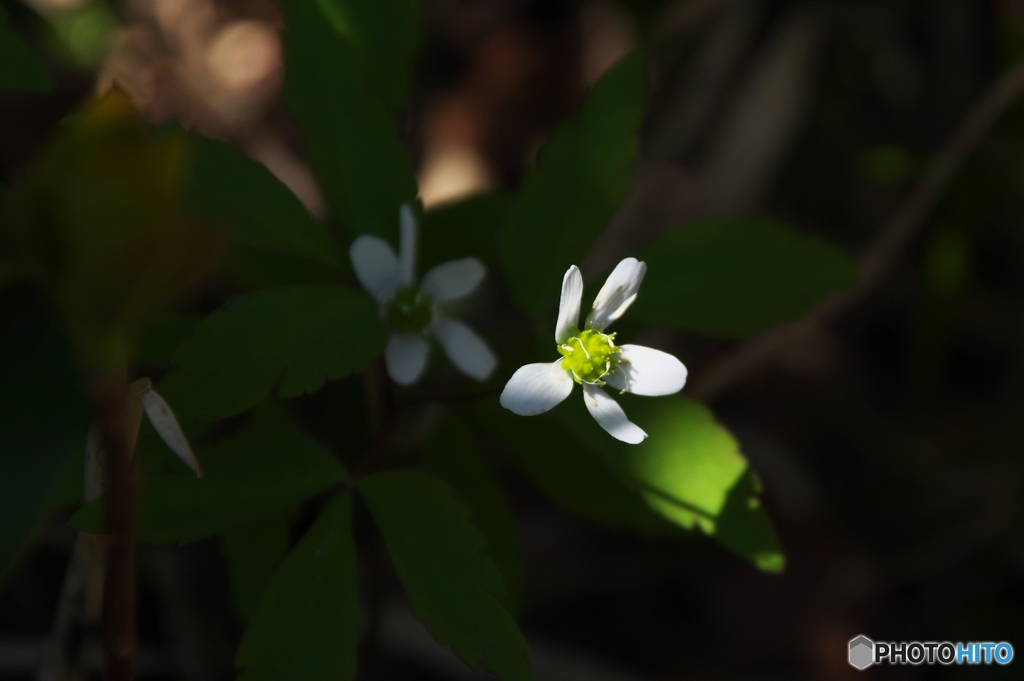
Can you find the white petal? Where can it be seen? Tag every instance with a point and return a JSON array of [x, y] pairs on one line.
[[453, 280], [536, 388], [569, 304], [646, 371], [609, 415], [618, 292], [407, 246], [166, 426], [406, 357], [376, 266], [468, 352]]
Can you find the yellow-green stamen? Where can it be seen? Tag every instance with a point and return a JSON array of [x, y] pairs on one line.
[[589, 355]]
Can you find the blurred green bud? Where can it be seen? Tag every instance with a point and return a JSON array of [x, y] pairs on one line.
[[99, 223]]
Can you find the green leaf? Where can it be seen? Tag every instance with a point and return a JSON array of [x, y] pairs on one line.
[[352, 134], [43, 423], [572, 474], [732, 277], [439, 556], [581, 177], [384, 35], [301, 335], [307, 625], [161, 337], [252, 554], [255, 268], [80, 35], [265, 468], [20, 68], [464, 228], [451, 455], [253, 206], [691, 471]]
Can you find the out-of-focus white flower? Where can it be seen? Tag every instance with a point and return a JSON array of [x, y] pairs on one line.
[[413, 312], [591, 358]]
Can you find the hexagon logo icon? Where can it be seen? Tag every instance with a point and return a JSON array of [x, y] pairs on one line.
[[862, 652]]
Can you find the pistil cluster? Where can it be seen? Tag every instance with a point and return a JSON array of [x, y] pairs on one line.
[[589, 354]]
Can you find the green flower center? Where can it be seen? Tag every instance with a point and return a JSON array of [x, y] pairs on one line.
[[409, 311], [590, 355]]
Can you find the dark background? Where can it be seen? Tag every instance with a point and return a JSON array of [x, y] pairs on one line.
[[888, 437]]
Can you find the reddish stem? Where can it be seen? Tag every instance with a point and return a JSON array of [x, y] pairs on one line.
[[109, 396]]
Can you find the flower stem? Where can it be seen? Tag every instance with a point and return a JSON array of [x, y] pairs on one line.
[[380, 447], [108, 396]]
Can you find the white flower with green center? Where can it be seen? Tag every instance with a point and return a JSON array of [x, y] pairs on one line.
[[591, 358], [413, 312]]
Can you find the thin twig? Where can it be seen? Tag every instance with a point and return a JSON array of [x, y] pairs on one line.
[[382, 445], [81, 602], [894, 237], [108, 397]]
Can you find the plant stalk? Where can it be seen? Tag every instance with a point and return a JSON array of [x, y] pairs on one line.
[[109, 395]]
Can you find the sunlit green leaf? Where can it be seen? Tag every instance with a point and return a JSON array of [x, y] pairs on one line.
[[253, 206], [252, 553], [732, 277], [567, 470], [307, 624], [582, 175], [43, 422], [352, 135], [450, 454], [440, 558], [20, 68], [265, 468], [691, 471], [301, 335]]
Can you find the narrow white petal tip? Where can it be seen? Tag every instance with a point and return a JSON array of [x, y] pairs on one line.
[[609, 415], [618, 293], [569, 304], [166, 426], [465, 348], [375, 265], [646, 371], [535, 389], [407, 246], [405, 213], [406, 357]]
